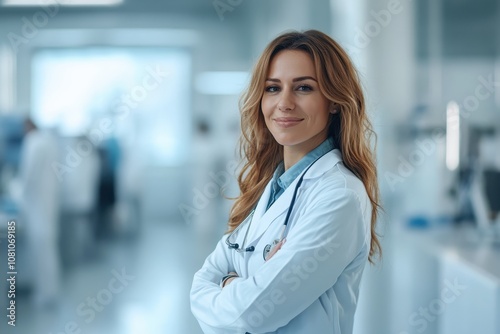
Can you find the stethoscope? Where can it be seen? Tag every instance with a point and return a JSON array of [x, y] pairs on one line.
[[284, 230]]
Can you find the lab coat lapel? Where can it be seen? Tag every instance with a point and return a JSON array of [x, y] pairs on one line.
[[262, 218], [260, 210]]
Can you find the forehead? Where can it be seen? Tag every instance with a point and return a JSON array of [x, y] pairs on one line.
[[291, 64]]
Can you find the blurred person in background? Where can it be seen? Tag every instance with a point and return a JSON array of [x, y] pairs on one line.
[[79, 193], [109, 155], [309, 177], [40, 209]]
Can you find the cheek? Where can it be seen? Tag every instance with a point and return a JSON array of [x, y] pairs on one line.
[[266, 107], [324, 116], [320, 112]]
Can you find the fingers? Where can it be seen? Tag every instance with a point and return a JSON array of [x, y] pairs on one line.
[[228, 281]]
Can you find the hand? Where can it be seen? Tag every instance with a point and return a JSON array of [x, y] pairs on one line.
[[275, 249], [229, 280]]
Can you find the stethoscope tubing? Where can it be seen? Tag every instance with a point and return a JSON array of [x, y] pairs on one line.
[[284, 232]]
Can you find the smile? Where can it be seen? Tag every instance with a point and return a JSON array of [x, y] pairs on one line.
[[286, 122]]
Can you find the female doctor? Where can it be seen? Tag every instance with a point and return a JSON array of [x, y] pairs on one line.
[[303, 226]]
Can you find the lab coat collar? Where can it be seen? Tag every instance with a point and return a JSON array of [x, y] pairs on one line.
[[262, 218]]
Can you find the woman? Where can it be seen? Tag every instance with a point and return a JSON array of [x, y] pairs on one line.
[[309, 179]]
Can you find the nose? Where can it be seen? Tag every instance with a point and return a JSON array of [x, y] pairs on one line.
[[286, 102]]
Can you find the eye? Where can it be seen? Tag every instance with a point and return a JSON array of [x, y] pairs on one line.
[[272, 89], [305, 88]]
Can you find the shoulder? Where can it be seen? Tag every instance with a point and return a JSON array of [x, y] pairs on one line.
[[331, 174], [339, 177], [338, 183]]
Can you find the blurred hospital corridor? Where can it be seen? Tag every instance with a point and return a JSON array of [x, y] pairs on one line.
[[119, 129], [131, 286]]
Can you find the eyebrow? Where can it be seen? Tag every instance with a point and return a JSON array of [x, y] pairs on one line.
[[294, 80]]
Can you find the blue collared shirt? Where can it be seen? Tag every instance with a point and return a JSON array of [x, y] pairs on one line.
[[282, 179]]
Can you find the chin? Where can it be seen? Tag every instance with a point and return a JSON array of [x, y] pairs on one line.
[[286, 140]]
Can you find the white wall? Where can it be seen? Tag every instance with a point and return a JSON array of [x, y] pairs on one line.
[[270, 18], [215, 45], [380, 38]]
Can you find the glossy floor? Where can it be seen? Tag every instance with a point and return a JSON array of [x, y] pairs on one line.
[[131, 286]]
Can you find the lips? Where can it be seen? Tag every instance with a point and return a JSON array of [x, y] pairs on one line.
[[286, 122]]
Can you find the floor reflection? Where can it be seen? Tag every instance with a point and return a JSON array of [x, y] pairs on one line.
[[130, 287]]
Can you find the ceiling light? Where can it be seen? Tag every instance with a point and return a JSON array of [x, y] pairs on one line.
[[16, 3]]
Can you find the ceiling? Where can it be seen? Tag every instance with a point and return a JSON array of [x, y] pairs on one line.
[[182, 7]]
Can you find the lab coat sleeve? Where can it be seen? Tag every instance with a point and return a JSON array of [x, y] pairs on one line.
[[206, 287], [326, 237]]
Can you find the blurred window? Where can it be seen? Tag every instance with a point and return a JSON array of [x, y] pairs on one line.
[[140, 95]]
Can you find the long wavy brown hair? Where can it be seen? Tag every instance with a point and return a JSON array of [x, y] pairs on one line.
[[350, 127]]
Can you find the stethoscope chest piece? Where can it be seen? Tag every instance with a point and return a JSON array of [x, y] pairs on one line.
[[269, 248]]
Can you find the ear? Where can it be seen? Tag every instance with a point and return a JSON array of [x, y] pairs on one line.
[[334, 108]]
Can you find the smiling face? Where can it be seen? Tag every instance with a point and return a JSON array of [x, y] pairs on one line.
[[294, 109]]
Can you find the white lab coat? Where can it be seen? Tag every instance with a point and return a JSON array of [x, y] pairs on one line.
[[311, 284], [40, 207]]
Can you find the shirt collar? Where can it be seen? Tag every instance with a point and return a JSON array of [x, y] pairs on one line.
[[285, 178]]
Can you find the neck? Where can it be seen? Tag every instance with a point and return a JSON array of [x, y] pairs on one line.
[[292, 154], [291, 157]]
